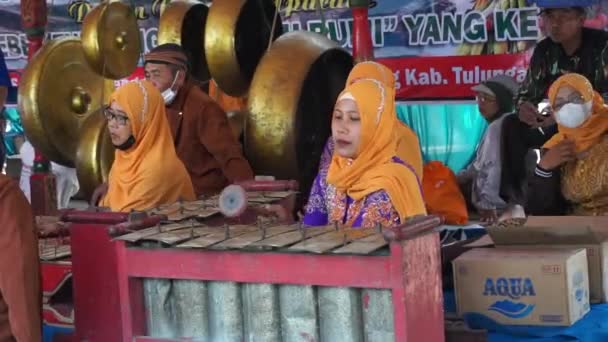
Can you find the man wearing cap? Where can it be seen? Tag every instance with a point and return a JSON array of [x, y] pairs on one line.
[[203, 138], [481, 180], [569, 47]]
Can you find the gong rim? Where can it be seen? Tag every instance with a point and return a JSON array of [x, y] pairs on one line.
[[95, 154], [270, 141], [226, 23], [111, 40], [183, 23], [52, 115]]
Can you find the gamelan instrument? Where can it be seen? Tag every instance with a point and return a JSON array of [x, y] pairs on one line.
[[237, 34], [183, 22], [192, 278], [285, 135], [94, 155], [111, 39], [53, 115]]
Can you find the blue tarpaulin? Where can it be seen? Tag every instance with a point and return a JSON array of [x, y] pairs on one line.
[[591, 328]]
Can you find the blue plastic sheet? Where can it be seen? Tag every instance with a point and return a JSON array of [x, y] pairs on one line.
[[591, 328], [448, 133]]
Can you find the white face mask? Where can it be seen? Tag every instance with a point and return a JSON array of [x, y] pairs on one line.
[[169, 94], [573, 115]]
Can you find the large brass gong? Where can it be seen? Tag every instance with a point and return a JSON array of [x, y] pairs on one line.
[[95, 154], [237, 34], [183, 23], [111, 40], [291, 99], [58, 90]]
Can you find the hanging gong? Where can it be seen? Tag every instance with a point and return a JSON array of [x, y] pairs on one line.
[[183, 23], [57, 91], [285, 135], [237, 34], [95, 154], [111, 40]]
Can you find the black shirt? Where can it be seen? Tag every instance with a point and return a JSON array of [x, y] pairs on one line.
[[550, 61]]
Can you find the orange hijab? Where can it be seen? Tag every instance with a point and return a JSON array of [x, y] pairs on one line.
[[149, 173], [596, 126], [373, 169], [408, 146]]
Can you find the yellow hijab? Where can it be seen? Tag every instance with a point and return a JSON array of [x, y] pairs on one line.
[[596, 126], [373, 169], [408, 146], [149, 173]]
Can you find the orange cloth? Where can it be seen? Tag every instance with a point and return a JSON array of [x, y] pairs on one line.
[[373, 169], [596, 126], [20, 295], [442, 193], [408, 146], [227, 102], [149, 173]]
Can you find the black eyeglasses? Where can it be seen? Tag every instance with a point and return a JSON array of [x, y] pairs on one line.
[[111, 115]]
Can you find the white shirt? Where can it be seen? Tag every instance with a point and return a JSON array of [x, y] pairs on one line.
[[67, 182]]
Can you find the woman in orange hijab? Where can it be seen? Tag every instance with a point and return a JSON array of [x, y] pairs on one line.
[[365, 183], [408, 146], [572, 175], [146, 171]]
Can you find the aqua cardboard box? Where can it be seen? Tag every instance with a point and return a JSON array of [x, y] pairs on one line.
[[548, 287], [568, 232]]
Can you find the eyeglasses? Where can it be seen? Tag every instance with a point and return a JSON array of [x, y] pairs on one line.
[[484, 98], [573, 98], [110, 115]]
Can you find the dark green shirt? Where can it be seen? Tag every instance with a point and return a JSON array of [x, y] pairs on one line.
[[549, 62]]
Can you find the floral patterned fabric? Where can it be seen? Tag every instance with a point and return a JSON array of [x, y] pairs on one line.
[[584, 182], [327, 205]]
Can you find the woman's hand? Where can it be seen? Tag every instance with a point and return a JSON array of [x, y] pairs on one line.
[[559, 154], [99, 193]]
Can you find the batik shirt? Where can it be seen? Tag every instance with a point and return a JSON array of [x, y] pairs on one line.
[[550, 61], [327, 205]]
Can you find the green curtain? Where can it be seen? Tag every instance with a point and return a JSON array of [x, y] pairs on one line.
[[448, 133]]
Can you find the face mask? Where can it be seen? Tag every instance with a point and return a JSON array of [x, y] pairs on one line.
[[127, 144], [169, 94], [573, 115]]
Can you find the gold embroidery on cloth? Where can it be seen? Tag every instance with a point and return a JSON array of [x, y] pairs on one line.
[[584, 182]]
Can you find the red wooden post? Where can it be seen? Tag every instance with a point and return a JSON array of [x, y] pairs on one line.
[[42, 181], [363, 49]]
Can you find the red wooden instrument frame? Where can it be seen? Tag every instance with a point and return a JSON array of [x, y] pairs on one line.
[[108, 291]]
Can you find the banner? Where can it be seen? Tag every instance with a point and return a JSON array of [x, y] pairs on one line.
[[437, 49]]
